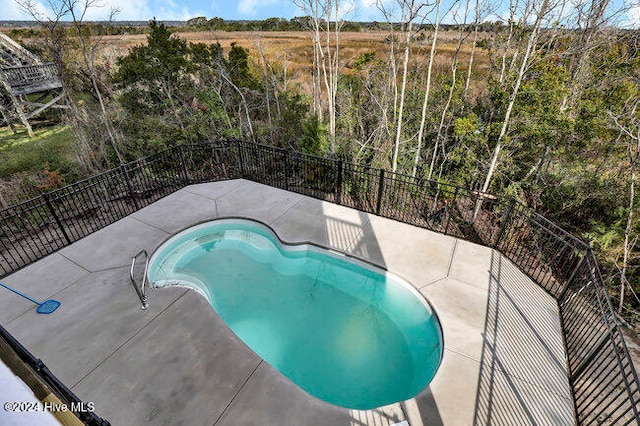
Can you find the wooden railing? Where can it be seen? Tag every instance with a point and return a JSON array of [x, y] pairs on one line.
[[30, 75]]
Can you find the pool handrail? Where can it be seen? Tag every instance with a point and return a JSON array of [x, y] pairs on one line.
[[140, 289]]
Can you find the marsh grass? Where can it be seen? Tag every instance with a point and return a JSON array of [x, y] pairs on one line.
[[293, 49]]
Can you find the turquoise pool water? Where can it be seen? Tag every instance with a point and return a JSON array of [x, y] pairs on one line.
[[344, 331]]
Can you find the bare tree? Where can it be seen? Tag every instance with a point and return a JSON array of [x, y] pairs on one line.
[[77, 9], [392, 80], [393, 66], [225, 77], [332, 47], [257, 42], [629, 128], [326, 24], [440, 135], [592, 23], [427, 91], [506, 50], [315, 10], [55, 43], [366, 108], [409, 10], [538, 10], [481, 11]]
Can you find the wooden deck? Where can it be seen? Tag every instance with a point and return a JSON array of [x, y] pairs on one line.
[[21, 74]]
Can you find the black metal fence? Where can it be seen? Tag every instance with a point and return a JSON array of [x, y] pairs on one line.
[[68, 398], [604, 383]]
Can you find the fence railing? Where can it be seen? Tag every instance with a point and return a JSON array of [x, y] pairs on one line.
[[30, 74], [603, 380]]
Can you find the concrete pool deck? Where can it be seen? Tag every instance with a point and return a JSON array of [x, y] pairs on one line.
[[178, 363]]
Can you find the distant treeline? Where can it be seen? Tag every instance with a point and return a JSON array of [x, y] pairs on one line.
[[301, 23], [23, 29], [93, 28]]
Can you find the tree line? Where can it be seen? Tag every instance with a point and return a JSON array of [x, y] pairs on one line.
[[202, 23]]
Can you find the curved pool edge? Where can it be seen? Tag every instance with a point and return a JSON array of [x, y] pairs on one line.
[[288, 246], [281, 240]]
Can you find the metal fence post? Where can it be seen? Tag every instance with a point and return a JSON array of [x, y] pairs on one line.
[[453, 207], [55, 217], [286, 169], [563, 293], [129, 187], [505, 222], [380, 189], [340, 171], [240, 162], [183, 163]]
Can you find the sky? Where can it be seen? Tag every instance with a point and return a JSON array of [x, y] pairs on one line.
[[182, 10]]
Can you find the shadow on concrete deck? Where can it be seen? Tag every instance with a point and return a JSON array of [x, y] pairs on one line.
[[522, 359]]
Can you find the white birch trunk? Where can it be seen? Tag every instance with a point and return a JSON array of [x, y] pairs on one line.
[[427, 91], [473, 48], [403, 86], [244, 103], [512, 16], [445, 110], [634, 153], [627, 232], [531, 42]]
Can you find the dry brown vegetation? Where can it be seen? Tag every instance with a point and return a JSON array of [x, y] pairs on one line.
[[293, 50]]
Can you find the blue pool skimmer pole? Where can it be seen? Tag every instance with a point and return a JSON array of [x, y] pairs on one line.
[[45, 307]]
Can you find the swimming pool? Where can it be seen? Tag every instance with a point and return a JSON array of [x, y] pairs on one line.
[[344, 331]]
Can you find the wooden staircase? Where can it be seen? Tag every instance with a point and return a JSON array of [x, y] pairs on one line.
[[22, 74], [14, 55]]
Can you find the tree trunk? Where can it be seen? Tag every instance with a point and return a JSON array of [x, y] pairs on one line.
[[532, 40], [312, 8], [244, 103], [595, 21], [265, 74], [512, 17], [394, 73], [3, 203], [634, 154], [627, 232], [473, 48], [405, 65], [331, 62], [445, 110], [425, 101], [89, 63]]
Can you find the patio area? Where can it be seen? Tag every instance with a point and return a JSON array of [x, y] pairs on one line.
[[178, 363]]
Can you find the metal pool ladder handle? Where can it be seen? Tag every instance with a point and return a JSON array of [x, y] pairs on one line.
[[140, 291]]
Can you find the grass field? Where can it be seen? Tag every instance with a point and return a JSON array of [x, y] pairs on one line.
[[30, 166], [294, 50], [18, 153]]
